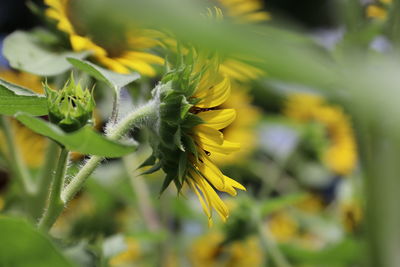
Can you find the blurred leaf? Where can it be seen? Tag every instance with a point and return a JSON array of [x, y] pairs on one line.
[[281, 53], [278, 203], [114, 245], [347, 251], [14, 98], [114, 80], [23, 246], [24, 51], [85, 140]]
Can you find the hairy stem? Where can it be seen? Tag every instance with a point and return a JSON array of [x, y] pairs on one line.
[[115, 108], [143, 113], [45, 179], [55, 203]]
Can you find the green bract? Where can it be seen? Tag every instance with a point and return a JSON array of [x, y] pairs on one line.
[[174, 144], [71, 107]]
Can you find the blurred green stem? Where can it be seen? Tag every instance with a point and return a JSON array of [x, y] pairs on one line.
[[270, 246], [55, 204], [142, 193], [44, 179], [394, 23], [14, 158]]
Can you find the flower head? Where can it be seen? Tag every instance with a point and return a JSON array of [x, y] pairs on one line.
[[190, 127], [126, 53], [71, 107]]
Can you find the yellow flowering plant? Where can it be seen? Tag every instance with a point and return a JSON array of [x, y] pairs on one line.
[[201, 108]]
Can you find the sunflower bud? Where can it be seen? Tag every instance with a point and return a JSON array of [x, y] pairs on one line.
[[71, 107]]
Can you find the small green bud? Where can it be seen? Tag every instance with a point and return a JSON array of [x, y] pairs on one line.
[[71, 107]]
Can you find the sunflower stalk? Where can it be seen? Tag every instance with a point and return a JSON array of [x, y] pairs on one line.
[[115, 108], [45, 179], [144, 114], [55, 203]]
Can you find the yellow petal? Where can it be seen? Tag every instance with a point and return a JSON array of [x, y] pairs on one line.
[[206, 208], [212, 198], [208, 134], [218, 119], [112, 64], [215, 95], [143, 56], [138, 65], [234, 183], [226, 147]]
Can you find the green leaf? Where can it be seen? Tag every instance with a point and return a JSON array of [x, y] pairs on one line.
[[24, 51], [153, 169], [347, 251], [85, 140], [23, 246], [113, 79], [14, 98]]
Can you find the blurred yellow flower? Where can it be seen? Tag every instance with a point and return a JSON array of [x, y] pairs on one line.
[[245, 10], [241, 130], [209, 250], [121, 56], [283, 226], [312, 203], [351, 215], [376, 12], [129, 256], [31, 146], [341, 155]]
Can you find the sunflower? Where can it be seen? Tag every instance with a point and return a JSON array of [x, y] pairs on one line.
[[121, 56], [209, 250], [191, 130], [241, 130], [340, 155], [31, 145]]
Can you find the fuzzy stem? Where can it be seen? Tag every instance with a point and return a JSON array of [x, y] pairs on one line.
[[115, 108], [44, 179], [141, 114], [18, 167], [55, 203]]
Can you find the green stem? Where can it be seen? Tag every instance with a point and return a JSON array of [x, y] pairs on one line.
[[18, 167], [55, 203], [394, 23], [270, 245], [142, 193], [115, 108], [44, 179], [138, 116]]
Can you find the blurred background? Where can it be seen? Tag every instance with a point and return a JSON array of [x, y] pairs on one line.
[[299, 162]]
